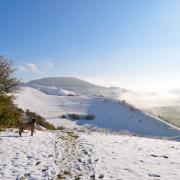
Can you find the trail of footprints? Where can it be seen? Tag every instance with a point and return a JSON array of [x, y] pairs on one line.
[[75, 163]]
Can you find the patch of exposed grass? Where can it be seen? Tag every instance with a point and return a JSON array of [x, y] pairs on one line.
[[60, 128], [63, 116], [90, 117], [74, 116], [79, 116]]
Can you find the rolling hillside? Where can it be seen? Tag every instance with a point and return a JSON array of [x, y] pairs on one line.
[[109, 114]]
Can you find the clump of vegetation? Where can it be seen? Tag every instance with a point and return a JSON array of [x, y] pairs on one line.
[[123, 102], [60, 128], [79, 116], [63, 116], [70, 94], [89, 117], [10, 115], [74, 116], [40, 120], [131, 108]]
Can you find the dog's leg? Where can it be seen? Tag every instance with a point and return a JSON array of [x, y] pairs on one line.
[[32, 130], [20, 131]]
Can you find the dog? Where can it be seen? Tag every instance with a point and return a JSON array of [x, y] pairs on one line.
[[27, 126]]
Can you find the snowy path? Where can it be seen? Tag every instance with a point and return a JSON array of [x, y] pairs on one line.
[[76, 162]]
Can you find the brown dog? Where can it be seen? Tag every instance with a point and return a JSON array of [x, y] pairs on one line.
[[27, 126]]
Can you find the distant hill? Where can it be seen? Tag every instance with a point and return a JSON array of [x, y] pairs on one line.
[[78, 86], [65, 82]]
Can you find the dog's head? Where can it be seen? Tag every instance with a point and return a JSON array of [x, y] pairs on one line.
[[34, 120]]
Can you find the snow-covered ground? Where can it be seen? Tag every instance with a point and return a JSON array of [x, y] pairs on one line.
[[80, 153], [86, 155], [46, 155], [29, 157], [110, 114], [127, 157]]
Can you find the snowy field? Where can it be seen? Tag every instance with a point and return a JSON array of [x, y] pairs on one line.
[[127, 157], [79, 153], [86, 155]]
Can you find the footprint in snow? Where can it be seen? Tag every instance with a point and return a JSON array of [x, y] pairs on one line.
[[50, 155], [39, 162], [154, 175], [30, 157], [166, 157], [27, 174], [101, 176]]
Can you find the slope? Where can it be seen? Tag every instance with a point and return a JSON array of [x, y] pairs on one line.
[[110, 114]]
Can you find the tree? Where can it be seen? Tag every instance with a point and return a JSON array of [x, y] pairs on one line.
[[8, 82], [9, 113]]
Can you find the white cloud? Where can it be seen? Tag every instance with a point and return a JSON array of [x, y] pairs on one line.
[[49, 65], [29, 67], [42, 69]]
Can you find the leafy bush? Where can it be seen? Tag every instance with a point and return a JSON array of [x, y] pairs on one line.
[[10, 115], [79, 116], [60, 128], [90, 117], [132, 108], [74, 116], [70, 95], [63, 116]]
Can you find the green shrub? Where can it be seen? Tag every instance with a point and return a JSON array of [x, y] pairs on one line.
[[74, 116], [60, 128], [89, 117], [10, 115], [71, 95], [79, 116], [63, 116]]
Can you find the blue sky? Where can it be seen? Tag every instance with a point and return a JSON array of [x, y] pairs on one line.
[[129, 43]]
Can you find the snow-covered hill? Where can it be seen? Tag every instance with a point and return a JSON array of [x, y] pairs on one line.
[[78, 86], [110, 114], [53, 90]]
